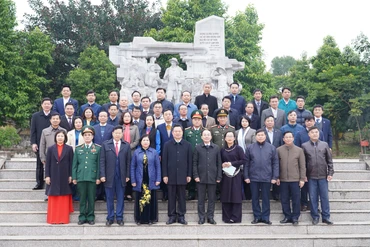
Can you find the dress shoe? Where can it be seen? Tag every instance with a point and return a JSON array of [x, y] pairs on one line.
[[267, 222], [211, 221], [170, 221], [81, 222], [129, 198], [328, 222], [109, 223], [150, 223], [303, 208], [138, 223], [91, 222], [120, 222], [182, 221], [201, 221], [286, 220], [256, 221], [38, 187], [295, 222], [315, 221], [190, 198]]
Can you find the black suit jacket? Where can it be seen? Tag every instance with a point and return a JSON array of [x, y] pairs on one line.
[[108, 160], [59, 170], [64, 123], [255, 121], [207, 163], [211, 101], [264, 106], [38, 122], [278, 138], [177, 161]]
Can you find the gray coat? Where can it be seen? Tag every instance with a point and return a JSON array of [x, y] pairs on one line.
[[207, 164], [47, 140], [279, 120]]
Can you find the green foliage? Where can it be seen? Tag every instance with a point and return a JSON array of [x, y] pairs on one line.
[[281, 65], [9, 136], [243, 37], [24, 57], [95, 72], [74, 25]]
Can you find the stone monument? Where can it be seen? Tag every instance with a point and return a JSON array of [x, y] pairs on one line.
[[205, 62]]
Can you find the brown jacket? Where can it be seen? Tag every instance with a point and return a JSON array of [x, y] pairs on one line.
[[292, 163]]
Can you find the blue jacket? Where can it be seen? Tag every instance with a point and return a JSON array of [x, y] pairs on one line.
[[58, 105], [238, 104], [95, 107], [154, 168], [163, 135], [262, 162], [302, 137], [191, 108], [293, 128], [98, 139], [326, 129]]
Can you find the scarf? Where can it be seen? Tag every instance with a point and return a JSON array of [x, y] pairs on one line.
[[126, 134], [241, 137]]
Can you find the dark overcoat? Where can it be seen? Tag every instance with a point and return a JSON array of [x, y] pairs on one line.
[[59, 170], [207, 164], [177, 161]]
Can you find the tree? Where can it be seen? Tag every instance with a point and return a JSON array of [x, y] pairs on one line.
[[24, 57], [281, 65], [95, 72], [76, 24], [243, 37]]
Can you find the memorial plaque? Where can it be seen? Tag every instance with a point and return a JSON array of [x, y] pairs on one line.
[[210, 33]]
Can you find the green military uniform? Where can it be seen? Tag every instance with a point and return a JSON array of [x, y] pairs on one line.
[[194, 136], [218, 134], [85, 169]]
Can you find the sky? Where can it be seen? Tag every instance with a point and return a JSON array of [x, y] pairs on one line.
[[294, 26]]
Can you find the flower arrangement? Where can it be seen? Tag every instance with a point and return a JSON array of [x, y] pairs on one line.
[[145, 199]]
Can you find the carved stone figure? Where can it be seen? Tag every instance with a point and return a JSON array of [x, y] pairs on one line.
[[174, 76]]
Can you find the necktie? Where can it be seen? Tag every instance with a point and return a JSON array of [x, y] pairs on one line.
[[70, 122], [317, 121], [117, 148], [135, 122], [146, 112]]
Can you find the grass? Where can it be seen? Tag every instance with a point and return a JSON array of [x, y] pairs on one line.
[[349, 146]]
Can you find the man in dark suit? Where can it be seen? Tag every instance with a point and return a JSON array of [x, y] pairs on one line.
[[136, 113], [66, 121], [114, 115], [135, 96], [183, 119], [103, 131], [177, 172], [233, 115], [323, 124], [161, 97], [255, 119], [207, 121], [278, 114], [145, 104], [91, 97], [59, 104], [115, 159], [165, 133], [39, 121], [237, 101], [274, 137], [258, 104], [207, 171], [113, 99], [207, 98]]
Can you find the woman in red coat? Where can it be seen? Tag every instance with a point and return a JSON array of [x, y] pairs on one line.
[[58, 176]]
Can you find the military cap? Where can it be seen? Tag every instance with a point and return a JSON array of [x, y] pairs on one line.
[[88, 129], [197, 114], [222, 113]]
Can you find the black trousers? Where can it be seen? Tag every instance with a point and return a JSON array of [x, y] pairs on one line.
[[203, 190], [39, 171], [179, 192]]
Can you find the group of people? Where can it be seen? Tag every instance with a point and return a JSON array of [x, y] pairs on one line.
[[239, 151]]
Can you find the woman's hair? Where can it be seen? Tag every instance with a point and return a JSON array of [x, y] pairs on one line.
[[121, 122], [63, 132], [93, 117]]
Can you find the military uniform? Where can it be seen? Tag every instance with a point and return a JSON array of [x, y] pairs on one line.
[[85, 169], [218, 132]]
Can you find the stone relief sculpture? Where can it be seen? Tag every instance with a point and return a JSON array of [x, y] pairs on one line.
[[152, 79], [174, 77], [219, 76]]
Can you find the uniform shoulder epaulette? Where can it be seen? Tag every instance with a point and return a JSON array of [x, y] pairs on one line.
[[214, 125], [97, 145], [80, 145], [231, 126], [188, 128]]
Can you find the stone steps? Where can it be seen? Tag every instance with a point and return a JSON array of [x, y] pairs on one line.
[[191, 216], [23, 217], [161, 229], [40, 205], [28, 194], [286, 240]]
